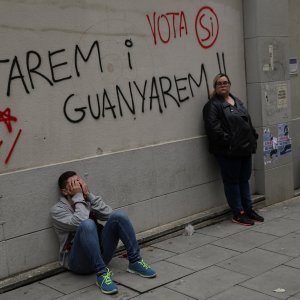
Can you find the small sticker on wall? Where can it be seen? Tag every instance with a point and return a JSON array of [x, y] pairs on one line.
[[270, 146], [282, 95], [284, 140]]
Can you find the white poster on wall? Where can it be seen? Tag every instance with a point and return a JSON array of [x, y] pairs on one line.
[[282, 95]]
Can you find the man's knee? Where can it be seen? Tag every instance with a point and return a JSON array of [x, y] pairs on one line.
[[87, 225], [119, 216]]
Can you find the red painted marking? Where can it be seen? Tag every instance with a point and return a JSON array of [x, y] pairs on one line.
[[1, 142], [165, 41], [153, 28], [165, 27], [7, 118], [206, 27], [13, 147], [183, 24], [173, 14]]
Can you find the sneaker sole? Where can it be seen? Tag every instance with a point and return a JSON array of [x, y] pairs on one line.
[[107, 292], [145, 276], [237, 222]]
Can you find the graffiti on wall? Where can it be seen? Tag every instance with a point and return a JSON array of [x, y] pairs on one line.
[[172, 25], [158, 92], [7, 119]]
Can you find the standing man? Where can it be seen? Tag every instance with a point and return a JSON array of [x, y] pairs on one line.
[[86, 246]]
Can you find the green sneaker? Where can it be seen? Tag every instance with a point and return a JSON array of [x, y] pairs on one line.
[[141, 268], [106, 284]]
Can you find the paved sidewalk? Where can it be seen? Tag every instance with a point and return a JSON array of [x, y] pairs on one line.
[[224, 261]]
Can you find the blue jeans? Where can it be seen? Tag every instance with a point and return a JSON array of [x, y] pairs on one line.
[[236, 173], [93, 248]]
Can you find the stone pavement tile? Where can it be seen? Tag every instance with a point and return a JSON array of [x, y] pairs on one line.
[[238, 292], [244, 241], [254, 262], [93, 292], [118, 263], [202, 257], [149, 254], [162, 293], [283, 277], [288, 245], [295, 263], [221, 229], [281, 209], [206, 283], [68, 282], [295, 297], [35, 291], [293, 204], [293, 215], [183, 243], [274, 212], [166, 272], [278, 227], [152, 254]]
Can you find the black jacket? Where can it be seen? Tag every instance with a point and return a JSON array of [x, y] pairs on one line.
[[229, 128]]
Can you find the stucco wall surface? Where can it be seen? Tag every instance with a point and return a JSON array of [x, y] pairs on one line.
[[113, 90], [294, 52]]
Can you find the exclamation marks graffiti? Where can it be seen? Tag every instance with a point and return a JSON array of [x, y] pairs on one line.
[[212, 26], [219, 63]]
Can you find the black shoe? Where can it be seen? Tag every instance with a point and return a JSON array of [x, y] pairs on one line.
[[242, 219], [253, 215]]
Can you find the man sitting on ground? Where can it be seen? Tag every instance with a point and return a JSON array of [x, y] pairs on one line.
[[85, 245]]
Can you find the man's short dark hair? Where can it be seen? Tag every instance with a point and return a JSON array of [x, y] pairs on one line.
[[63, 178]]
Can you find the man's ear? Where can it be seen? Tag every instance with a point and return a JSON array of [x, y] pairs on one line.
[[64, 192]]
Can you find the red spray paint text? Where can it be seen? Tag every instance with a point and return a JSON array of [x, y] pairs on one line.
[[7, 119], [172, 25]]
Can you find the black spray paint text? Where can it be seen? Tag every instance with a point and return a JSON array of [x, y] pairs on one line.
[[158, 92], [56, 64], [141, 95]]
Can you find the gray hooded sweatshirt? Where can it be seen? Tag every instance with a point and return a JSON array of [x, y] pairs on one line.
[[66, 218]]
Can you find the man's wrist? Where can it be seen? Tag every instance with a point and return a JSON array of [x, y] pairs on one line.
[[78, 197]]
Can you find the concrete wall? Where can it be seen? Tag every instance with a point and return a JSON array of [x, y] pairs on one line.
[[268, 89], [294, 51], [108, 89]]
